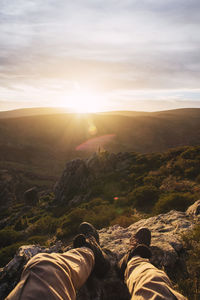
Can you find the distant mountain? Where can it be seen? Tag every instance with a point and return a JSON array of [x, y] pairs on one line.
[[24, 112], [61, 132], [126, 113], [45, 142]]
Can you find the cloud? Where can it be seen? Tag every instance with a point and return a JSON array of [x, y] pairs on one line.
[[111, 45]]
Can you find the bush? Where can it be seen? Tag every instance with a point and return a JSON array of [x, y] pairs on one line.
[[190, 153], [198, 178], [45, 225], [37, 239], [122, 201], [111, 189], [94, 202], [144, 197], [21, 224], [9, 236], [7, 253], [192, 172], [153, 180], [101, 215], [191, 286], [178, 201], [69, 223]]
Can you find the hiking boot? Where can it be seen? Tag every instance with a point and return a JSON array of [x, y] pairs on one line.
[[102, 264], [139, 245], [89, 230], [142, 236]]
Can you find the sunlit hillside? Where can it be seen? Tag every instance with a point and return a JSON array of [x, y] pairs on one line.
[[39, 146]]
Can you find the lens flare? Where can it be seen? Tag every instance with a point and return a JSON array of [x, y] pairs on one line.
[[92, 129], [95, 143]]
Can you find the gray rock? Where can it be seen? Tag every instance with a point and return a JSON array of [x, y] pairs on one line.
[[166, 237], [194, 209], [166, 246], [73, 181], [10, 274]]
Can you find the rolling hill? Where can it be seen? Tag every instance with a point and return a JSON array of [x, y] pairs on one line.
[[45, 142], [24, 112], [64, 132]]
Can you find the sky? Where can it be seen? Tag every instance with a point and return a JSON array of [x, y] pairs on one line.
[[100, 55]]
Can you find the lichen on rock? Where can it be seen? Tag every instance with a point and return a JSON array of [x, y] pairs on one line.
[[166, 246]]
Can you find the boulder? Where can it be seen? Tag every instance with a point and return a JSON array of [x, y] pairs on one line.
[[167, 249]]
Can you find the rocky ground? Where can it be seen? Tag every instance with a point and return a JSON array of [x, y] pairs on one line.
[[167, 249]]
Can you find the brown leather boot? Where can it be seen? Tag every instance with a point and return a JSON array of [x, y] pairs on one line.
[[102, 264], [139, 245], [89, 230]]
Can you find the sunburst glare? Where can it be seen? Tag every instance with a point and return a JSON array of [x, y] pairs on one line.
[[84, 101]]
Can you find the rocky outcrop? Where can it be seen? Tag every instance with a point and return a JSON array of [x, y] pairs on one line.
[[79, 175], [167, 249], [166, 236]]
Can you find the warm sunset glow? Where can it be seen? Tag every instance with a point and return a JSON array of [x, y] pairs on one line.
[[125, 50], [84, 101]]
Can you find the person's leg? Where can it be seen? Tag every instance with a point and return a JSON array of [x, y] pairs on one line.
[[54, 276], [145, 281], [58, 276]]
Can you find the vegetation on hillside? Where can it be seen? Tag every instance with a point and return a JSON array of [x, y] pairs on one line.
[[157, 183], [41, 138], [190, 285]]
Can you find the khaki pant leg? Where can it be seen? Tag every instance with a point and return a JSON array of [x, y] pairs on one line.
[[54, 276], [145, 281]]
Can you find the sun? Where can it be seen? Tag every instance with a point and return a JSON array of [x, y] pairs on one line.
[[84, 101]]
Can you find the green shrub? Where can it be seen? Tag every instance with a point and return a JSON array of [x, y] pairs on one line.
[[69, 223], [191, 285], [5, 212], [94, 202], [95, 212], [21, 224], [45, 225], [111, 189], [178, 201], [37, 239], [153, 180], [144, 197], [192, 172], [198, 178], [9, 236], [7, 253], [58, 211], [190, 153], [102, 216], [121, 201]]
